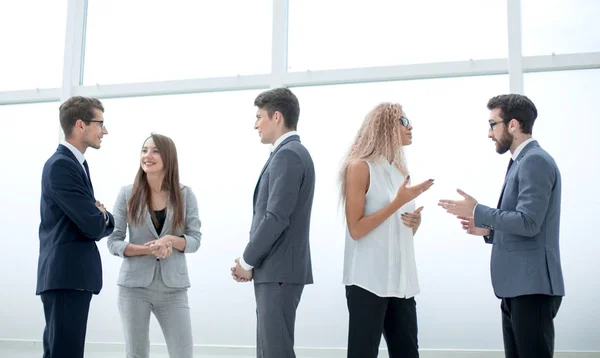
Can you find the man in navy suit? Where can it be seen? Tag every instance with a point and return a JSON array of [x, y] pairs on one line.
[[72, 220]]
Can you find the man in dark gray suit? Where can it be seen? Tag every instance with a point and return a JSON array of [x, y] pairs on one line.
[[277, 256], [524, 230]]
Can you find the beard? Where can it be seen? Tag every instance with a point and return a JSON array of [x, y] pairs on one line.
[[503, 144]]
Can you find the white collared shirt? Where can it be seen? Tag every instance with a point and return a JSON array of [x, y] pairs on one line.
[[277, 143], [76, 153], [520, 148], [282, 138]]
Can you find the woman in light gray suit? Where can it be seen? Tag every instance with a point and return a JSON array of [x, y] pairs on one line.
[[162, 217]]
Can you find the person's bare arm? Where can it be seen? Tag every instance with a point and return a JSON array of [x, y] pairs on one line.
[[357, 185]]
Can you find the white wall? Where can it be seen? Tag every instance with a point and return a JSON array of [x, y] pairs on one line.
[[221, 156]]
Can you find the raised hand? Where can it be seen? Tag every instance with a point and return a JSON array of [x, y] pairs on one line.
[[407, 193], [462, 208]]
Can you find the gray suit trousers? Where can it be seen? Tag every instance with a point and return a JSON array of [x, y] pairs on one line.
[[276, 305], [171, 309]]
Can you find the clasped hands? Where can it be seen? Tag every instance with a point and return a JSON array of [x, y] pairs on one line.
[[239, 274], [161, 248]]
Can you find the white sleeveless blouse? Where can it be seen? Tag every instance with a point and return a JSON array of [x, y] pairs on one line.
[[383, 261]]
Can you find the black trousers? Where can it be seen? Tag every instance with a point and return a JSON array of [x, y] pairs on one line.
[[371, 315], [528, 325], [66, 313]]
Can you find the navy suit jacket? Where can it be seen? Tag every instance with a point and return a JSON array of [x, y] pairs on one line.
[[69, 228]]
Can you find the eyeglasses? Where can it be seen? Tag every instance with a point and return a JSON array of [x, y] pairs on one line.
[[405, 121], [492, 124], [96, 121]]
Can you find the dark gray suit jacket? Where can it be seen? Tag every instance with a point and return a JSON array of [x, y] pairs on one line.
[[525, 228], [279, 246]]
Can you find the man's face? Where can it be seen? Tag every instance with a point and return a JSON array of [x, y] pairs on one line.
[[499, 132], [93, 133], [266, 127]]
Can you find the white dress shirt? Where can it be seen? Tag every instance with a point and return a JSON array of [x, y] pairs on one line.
[[277, 143], [519, 149], [383, 261]]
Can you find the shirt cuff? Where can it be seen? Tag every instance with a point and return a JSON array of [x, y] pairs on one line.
[[475, 207], [244, 265]]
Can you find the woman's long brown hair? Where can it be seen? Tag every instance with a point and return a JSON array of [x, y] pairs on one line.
[[140, 201]]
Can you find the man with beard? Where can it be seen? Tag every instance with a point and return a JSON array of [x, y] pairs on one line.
[[524, 230]]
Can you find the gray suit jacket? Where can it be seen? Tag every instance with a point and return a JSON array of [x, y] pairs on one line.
[[138, 271], [525, 228], [279, 246]]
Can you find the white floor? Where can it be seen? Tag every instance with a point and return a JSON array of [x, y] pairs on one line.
[[37, 353], [21, 349]]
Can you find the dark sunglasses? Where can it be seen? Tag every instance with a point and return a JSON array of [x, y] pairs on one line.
[[405, 121]]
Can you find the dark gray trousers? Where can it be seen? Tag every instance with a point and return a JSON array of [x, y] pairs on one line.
[[276, 305]]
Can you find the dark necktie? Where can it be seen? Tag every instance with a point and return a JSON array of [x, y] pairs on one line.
[[510, 163], [87, 171]]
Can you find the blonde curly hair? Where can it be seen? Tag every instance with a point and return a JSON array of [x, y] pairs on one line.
[[378, 138]]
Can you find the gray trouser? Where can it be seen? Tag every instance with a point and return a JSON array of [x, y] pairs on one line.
[[171, 309], [276, 305]]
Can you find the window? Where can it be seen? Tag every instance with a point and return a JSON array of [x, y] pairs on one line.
[[559, 26], [139, 41], [33, 44], [343, 34]]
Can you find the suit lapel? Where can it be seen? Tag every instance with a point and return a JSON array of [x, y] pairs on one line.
[[84, 176], [532, 144], [168, 220], [287, 140]]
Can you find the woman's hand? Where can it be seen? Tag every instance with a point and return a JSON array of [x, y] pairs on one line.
[[412, 220], [407, 193]]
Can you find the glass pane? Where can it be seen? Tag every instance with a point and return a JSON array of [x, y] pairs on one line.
[[23, 159], [560, 26], [567, 127], [139, 41], [450, 122], [343, 34], [32, 43]]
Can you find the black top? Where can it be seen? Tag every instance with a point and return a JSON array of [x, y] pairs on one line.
[[161, 215]]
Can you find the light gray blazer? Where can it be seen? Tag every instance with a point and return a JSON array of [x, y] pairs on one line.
[[138, 271], [279, 246], [525, 229]]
